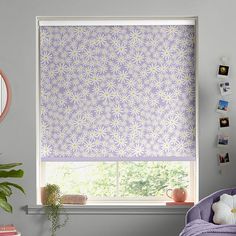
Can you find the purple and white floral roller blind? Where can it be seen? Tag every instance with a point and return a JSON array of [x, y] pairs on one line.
[[117, 93]]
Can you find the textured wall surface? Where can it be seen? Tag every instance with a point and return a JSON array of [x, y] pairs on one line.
[[217, 37]]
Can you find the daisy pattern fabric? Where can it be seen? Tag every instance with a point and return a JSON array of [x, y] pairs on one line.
[[117, 93]]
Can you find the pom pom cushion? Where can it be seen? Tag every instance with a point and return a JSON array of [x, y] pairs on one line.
[[225, 210]]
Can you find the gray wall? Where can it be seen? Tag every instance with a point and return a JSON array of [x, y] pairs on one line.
[[17, 132]]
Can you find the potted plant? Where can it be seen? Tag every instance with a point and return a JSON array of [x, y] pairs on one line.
[[53, 207], [7, 171]]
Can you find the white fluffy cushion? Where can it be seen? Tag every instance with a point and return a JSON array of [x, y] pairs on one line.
[[225, 210]]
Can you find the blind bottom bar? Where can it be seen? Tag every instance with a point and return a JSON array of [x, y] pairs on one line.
[[67, 159]]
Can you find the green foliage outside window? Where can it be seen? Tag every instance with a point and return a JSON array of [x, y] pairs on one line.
[[135, 179]]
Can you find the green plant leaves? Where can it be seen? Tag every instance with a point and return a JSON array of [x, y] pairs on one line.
[[7, 184], [11, 174], [9, 166], [5, 187], [54, 207], [5, 190], [4, 204]]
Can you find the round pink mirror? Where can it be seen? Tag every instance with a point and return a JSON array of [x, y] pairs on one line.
[[5, 95]]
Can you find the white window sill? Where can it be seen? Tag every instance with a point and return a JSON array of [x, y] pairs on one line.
[[116, 209]]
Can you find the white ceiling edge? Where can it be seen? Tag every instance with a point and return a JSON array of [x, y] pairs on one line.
[[119, 22]]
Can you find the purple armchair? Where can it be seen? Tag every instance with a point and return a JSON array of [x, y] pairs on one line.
[[199, 219], [202, 210]]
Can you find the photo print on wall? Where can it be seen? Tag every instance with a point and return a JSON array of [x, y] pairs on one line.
[[223, 71], [224, 122], [223, 140], [223, 158], [225, 88], [222, 106]]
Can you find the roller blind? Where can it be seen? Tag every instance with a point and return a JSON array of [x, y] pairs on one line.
[[117, 93]]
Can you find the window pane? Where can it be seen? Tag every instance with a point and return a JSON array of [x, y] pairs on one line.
[[151, 179], [92, 178], [118, 179]]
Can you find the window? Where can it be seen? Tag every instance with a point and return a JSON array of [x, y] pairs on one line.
[[106, 181], [117, 117]]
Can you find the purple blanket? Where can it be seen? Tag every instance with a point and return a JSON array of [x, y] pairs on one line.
[[201, 227]]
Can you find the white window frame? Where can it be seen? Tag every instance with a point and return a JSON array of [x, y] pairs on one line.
[[73, 21]]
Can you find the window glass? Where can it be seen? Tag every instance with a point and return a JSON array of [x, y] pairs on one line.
[[118, 179]]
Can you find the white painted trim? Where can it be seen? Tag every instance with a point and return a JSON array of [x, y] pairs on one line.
[[114, 210], [38, 162], [111, 22], [191, 188], [196, 171]]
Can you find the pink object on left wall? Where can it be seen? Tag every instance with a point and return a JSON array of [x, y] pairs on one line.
[[5, 93]]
